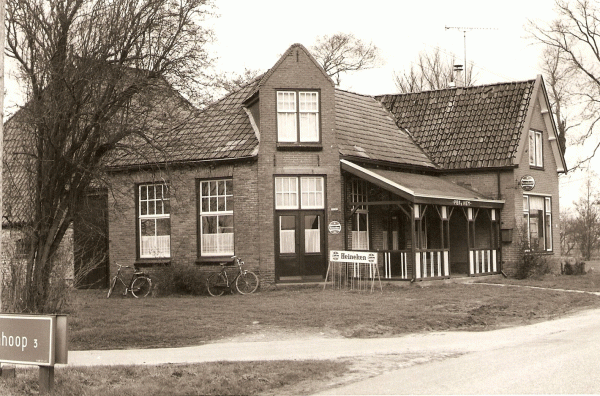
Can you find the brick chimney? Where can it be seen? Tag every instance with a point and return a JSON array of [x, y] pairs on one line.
[[458, 76]]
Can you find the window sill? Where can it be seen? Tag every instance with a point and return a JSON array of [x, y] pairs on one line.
[[535, 167], [152, 262], [214, 260], [300, 146]]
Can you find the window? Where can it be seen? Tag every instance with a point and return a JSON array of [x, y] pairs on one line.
[[298, 117], [537, 218], [360, 218], [154, 221], [216, 217], [535, 149], [311, 193]]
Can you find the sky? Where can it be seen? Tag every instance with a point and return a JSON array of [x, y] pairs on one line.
[[254, 33]]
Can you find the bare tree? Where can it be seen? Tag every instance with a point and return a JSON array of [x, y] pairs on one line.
[[559, 76], [587, 221], [231, 82], [341, 53], [568, 230], [89, 67], [432, 70], [572, 42]]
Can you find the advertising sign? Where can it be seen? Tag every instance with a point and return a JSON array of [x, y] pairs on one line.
[[527, 183], [335, 227], [353, 256]]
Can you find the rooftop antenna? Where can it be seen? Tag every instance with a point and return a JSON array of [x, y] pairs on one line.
[[464, 30]]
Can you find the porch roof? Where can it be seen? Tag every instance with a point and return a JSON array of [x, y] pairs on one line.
[[422, 189]]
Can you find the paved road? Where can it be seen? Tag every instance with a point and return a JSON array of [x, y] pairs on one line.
[[559, 356], [553, 357]]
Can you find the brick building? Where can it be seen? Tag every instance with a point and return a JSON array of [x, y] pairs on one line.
[[441, 183]]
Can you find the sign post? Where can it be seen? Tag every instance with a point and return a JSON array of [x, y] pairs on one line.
[[355, 270], [39, 340]]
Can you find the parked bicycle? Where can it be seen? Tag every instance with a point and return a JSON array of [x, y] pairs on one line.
[[244, 281], [139, 285]]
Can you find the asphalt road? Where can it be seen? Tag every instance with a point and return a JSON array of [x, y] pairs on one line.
[[556, 357], [553, 357]]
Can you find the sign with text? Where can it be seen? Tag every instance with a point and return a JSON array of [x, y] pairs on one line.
[[352, 256], [33, 339]]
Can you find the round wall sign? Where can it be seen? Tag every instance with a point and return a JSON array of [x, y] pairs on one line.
[[527, 183], [335, 227]]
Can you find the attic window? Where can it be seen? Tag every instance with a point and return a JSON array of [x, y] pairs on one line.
[[536, 157], [298, 119]]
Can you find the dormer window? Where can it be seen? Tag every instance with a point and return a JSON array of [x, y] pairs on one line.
[[535, 149], [298, 119]]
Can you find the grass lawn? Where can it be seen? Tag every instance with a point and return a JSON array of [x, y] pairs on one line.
[[98, 323], [117, 323], [225, 378]]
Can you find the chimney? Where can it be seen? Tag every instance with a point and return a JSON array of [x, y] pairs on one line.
[[459, 80]]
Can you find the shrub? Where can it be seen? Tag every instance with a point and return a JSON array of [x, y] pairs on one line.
[[179, 280], [578, 268], [532, 264]]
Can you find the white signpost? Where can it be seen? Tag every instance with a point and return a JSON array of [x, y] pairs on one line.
[[39, 340]]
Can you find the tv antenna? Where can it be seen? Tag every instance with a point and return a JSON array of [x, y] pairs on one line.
[[464, 30]]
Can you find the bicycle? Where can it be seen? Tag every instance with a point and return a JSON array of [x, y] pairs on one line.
[[139, 285], [245, 282]]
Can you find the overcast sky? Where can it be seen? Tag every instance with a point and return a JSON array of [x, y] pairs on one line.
[[254, 33]]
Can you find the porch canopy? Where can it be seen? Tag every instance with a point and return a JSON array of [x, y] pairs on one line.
[[422, 189], [437, 246]]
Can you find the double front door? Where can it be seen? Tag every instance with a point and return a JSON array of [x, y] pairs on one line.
[[300, 245]]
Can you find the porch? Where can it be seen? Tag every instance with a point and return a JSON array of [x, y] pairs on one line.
[[423, 227], [431, 264]]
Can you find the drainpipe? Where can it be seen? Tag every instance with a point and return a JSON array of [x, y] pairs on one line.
[[414, 242]]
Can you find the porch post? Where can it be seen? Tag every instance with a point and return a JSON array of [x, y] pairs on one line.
[[416, 266], [469, 247]]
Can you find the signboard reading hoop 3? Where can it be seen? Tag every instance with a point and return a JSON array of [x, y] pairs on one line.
[[33, 339]]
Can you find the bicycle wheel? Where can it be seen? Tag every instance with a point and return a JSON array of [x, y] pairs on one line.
[[215, 284], [141, 286], [246, 283], [112, 286]]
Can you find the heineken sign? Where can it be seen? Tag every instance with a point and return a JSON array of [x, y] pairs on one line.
[[352, 256]]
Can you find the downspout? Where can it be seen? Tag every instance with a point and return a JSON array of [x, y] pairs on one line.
[[412, 247], [498, 228]]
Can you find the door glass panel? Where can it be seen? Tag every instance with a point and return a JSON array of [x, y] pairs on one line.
[[312, 234], [287, 234]]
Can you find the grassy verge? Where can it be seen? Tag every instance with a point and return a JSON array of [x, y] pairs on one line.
[[98, 323], [227, 378], [589, 282]]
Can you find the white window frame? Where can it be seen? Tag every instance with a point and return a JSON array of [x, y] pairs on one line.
[[312, 192], [286, 193], [360, 237], [293, 187], [306, 113], [154, 246], [536, 154], [221, 243], [546, 218]]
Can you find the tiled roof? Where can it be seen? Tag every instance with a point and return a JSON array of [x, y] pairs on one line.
[[463, 128], [221, 131], [366, 130]]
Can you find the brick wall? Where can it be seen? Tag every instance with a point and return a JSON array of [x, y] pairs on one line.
[[184, 216], [295, 71]]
